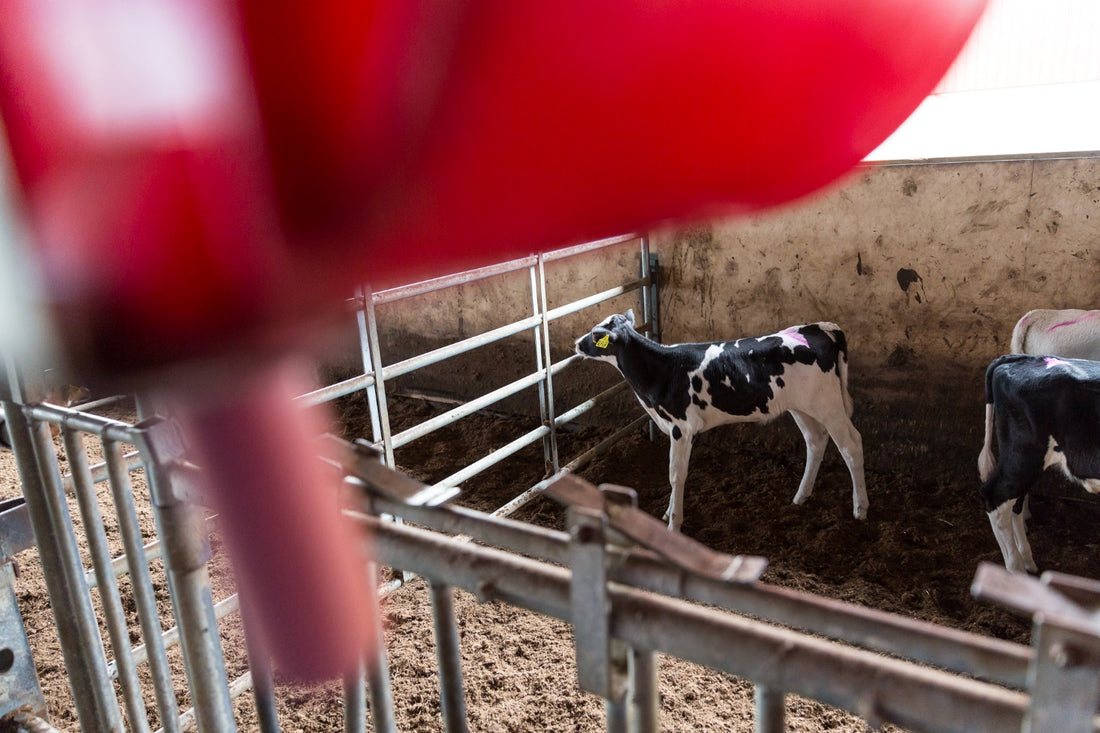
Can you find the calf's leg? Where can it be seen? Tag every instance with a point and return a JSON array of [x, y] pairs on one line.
[[817, 439], [1008, 528], [679, 452], [1019, 534], [850, 443]]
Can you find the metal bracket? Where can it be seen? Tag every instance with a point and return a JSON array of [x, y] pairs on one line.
[[16, 533], [20, 688], [1065, 610], [651, 533], [162, 444]]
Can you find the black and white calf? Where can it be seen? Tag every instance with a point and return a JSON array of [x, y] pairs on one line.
[[1046, 412], [1070, 333], [690, 388]]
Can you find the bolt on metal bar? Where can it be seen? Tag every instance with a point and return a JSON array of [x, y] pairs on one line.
[[141, 583], [96, 705], [108, 591]]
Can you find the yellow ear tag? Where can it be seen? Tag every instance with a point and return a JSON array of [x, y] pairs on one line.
[[602, 343]]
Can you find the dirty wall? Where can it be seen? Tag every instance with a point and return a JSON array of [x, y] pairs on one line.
[[923, 265]]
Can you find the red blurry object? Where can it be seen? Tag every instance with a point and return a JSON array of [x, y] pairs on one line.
[[204, 178]]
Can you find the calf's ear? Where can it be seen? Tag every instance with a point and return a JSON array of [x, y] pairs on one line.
[[629, 316]]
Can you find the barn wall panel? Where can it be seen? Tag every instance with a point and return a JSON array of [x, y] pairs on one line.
[[920, 264]]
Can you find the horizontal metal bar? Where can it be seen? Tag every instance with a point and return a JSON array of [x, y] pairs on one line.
[[86, 422], [171, 637], [877, 687], [461, 278], [591, 300], [237, 687], [133, 462], [495, 530], [962, 652], [586, 406], [87, 406], [151, 551], [495, 457], [448, 281], [459, 347], [577, 249], [336, 391], [467, 408]]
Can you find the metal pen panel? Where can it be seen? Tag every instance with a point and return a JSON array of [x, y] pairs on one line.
[[96, 705], [142, 584], [108, 590]]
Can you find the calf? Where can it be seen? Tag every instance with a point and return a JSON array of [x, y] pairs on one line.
[[1070, 333], [1046, 412], [690, 388]]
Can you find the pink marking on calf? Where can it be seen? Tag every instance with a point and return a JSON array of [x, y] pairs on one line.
[[1090, 314], [1053, 362], [793, 334]]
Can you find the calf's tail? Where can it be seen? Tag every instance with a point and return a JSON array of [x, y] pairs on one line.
[[1019, 334], [842, 370], [986, 461]]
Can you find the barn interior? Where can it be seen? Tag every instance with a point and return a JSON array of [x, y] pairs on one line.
[[925, 256]]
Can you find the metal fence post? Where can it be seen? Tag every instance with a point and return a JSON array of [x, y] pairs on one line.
[[546, 358], [379, 408], [449, 657], [601, 660], [96, 705], [181, 527]]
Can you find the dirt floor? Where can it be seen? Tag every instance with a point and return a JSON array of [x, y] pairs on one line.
[[916, 555]]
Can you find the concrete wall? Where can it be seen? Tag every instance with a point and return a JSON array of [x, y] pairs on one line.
[[920, 264], [926, 267]]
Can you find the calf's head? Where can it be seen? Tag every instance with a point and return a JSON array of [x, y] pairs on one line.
[[602, 342]]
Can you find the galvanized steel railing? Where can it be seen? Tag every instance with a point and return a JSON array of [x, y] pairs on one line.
[[376, 374]]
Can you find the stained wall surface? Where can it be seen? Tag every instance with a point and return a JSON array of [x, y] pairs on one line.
[[926, 267], [920, 264]]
